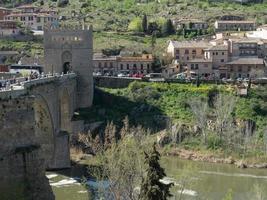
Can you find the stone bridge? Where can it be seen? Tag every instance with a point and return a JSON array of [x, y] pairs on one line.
[[51, 101], [36, 115], [36, 122]]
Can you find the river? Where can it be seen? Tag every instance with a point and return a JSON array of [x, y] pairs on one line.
[[195, 180]]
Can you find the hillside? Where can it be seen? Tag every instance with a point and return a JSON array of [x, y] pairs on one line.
[[111, 18]]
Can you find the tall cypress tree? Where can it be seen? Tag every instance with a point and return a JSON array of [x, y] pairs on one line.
[[152, 188], [144, 23]]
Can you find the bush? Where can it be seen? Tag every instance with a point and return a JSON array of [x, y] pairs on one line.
[[62, 3], [214, 142]]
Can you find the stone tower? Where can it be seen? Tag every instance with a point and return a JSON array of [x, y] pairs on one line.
[[71, 49]]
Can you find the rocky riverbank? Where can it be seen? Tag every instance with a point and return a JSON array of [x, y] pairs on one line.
[[203, 157]]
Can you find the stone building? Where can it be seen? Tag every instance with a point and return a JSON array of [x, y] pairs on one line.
[[202, 67], [218, 55], [71, 49], [185, 51], [123, 64], [4, 12], [9, 28], [234, 25], [32, 16], [244, 67]]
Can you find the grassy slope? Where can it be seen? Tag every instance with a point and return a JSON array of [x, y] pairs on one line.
[[144, 102], [111, 18], [172, 100]]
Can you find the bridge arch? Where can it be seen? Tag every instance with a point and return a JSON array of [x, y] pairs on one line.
[[44, 128]]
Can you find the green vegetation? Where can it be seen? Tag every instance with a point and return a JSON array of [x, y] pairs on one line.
[[152, 187], [115, 18], [228, 124]]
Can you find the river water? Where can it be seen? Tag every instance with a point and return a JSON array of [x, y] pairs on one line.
[[193, 180]]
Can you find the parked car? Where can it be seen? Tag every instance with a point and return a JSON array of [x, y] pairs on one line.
[[155, 77], [123, 75], [98, 74]]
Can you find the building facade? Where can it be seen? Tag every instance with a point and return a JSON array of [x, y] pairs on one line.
[[234, 25], [32, 17], [67, 49], [9, 28], [123, 64], [4, 12], [245, 67], [185, 51]]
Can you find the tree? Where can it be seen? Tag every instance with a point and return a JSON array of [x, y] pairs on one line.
[[200, 109], [153, 27], [135, 25], [167, 28], [152, 188], [144, 23]]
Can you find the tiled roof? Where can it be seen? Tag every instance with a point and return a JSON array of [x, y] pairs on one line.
[[190, 44], [199, 60], [235, 22], [218, 48], [27, 6], [246, 61]]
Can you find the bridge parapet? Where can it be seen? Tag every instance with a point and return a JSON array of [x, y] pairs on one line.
[[18, 90]]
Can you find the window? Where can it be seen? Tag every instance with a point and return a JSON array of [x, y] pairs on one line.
[[192, 66], [142, 66], [194, 51], [216, 53], [196, 66], [177, 51], [177, 57], [121, 66], [100, 65], [134, 66], [105, 64], [187, 58], [186, 51], [111, 64], [222, 60], [239, 68], [231, 69], [222, 53], [148, 66], [127, 66]]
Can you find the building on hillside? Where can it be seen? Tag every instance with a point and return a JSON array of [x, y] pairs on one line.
[[202, 67], [244, 67], [228, 25], [191, 24], [9, 28], [105, 64], [34, 21], [232, 18], [32, 16], [185, 51], [260, 33], [245, 47], [28, 8], [123, 64], [4, 12], [170, 70], [218, 55]]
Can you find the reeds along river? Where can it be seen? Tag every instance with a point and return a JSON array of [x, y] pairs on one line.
[[192, 180]]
